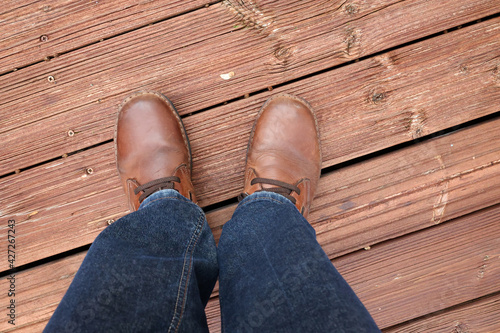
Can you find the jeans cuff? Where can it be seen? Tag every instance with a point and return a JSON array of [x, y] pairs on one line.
[[265, 196], [167, 194]]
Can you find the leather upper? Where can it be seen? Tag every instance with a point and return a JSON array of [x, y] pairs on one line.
[[151, 143], [285, 146]]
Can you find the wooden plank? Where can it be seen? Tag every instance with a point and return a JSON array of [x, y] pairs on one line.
[[68, 25], [480, 316], [423, 92], [357, 206], [92, 81], [212, 312], [404, 191], [423, 272], [437, 268], [399, 280], [38, 292], [59, 206]]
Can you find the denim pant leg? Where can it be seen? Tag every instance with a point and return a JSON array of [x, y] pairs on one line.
[[275, 277], [151, 271]]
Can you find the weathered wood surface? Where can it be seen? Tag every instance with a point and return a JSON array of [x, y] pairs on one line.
[[428, 271], [403, 191], [58, 206], [399, 280], [38, 292], [33, 30], [481, 316], [176, 57], [423, 272]]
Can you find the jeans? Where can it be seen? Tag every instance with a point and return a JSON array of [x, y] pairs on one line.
[[154, 270]]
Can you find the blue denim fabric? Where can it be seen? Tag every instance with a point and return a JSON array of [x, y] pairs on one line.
[[153, 271], [275, 277]]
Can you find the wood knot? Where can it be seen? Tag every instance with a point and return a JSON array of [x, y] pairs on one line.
[[461, 328], [377, 96], [463, 70], [386, 60], [480, 273], [496, 74], [351, 9], [284, 54], [416, 123], [352, 41], [249, 14]]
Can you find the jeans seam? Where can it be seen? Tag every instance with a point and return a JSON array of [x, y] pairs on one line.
[[182, 291]]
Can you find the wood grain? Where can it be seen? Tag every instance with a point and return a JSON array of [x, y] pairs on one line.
[[423, 272], [67, 25], [184, 57], [38, 292], [363, 107], [399, 280], [481, 316], [403, 191], [58, 206], [427, 271], [418, 90]]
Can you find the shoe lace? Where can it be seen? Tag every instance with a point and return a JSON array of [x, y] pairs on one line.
[[283, 188], [156, 185]]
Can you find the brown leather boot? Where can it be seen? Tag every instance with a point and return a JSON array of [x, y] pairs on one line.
[[284, 154], [152, 148]]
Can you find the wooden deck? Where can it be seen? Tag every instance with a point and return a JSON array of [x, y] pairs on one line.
[[407, 96]]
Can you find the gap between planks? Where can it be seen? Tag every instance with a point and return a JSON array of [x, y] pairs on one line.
[[411, 107], [58, 207], [90, 83], [481, 315], [405, 278], [35, 32]]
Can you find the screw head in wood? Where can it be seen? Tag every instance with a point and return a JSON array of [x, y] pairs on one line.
[[109, 222], [44, 38], [89, 171], [51, 79], [71, 133]]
